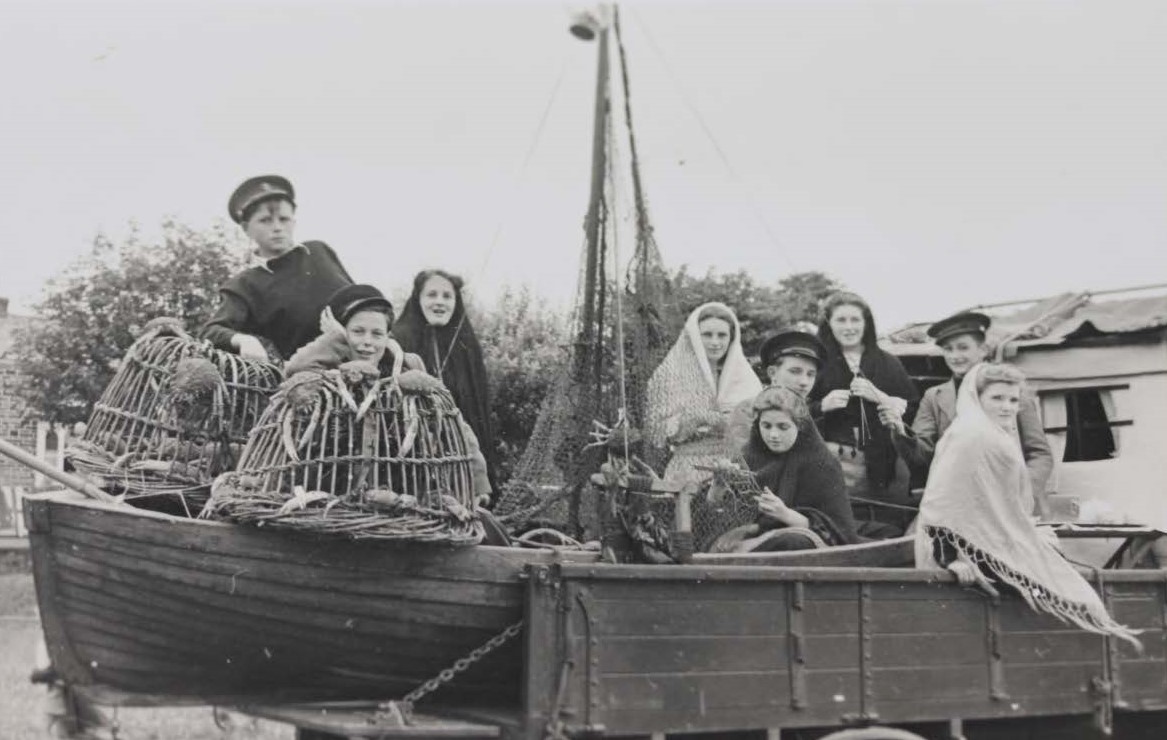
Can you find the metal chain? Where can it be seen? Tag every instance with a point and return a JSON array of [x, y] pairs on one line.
[[405, 705]]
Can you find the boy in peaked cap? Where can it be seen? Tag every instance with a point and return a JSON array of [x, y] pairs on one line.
[[792, 359], [362, 317], [280, 297], [962, 339]]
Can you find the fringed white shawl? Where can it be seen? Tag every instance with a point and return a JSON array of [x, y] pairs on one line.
[[977, 500], [683, 397]]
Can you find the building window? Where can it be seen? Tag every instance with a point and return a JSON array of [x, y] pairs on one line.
[[1085, 423]]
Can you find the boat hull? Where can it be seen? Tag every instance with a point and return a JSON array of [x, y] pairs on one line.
[[139, 605], [202, 611]]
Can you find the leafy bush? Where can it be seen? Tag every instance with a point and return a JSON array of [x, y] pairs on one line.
[[91, 313], [523, 346], [761, 309]]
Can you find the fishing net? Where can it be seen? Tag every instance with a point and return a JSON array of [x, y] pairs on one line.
[[605, 371], [347, 453], [175, 415]]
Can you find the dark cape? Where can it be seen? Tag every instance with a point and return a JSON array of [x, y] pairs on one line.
[[888, 375], [808, 479], [452, 354]]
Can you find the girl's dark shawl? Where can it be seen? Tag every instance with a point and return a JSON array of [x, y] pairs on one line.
[[807, 476], [888, 375], [452, 354]]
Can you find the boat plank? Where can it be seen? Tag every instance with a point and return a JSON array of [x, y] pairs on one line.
[[504, 590], [244, 666], [137, 600], [91, 613], [373, 557], [243, 589]]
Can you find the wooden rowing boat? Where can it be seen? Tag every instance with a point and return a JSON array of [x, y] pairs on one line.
[[144, 602]]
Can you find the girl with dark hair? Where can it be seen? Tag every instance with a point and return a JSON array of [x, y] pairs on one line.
[[857, 380], [434, 324], [790, 460]]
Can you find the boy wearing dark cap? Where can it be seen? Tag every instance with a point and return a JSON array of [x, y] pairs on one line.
[[280, 297], [962, 339], [363, 316], [792, 359]]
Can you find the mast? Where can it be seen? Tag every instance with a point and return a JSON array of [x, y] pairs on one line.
[[587, 28]]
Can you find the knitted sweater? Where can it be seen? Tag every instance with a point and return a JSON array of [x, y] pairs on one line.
[[280, 299]]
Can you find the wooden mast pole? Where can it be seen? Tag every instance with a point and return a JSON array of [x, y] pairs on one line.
[[592, 223]]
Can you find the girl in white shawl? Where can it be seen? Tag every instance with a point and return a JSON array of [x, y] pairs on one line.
[[974, 517], [691, 394]]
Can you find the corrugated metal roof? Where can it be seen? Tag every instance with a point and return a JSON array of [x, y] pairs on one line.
[[1051, 321]]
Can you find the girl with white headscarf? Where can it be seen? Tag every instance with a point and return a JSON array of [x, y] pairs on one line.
[[691, 394], [974, 517]]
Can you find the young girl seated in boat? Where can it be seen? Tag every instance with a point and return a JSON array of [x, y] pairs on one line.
[[356, 329], [801, 480], [974, 517]]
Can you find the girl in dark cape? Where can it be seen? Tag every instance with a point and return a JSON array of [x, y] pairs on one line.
[[857, 379], [434, 325], [806, 477]]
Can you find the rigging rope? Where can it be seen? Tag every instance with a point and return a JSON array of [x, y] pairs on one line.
[[535, 139], [753, 207], [618, 292]]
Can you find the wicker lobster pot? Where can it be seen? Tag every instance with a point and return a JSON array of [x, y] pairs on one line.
[[176, 415], [346, 453]]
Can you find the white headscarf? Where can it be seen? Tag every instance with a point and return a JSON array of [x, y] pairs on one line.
[[683, 384], [978, 499]]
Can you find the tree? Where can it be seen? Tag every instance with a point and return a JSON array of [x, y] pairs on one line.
[[522, 343], [761, 309], [92, 311]]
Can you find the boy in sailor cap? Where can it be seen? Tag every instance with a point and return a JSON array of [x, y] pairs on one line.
[[281, 296], [962, 339], [792, 359]]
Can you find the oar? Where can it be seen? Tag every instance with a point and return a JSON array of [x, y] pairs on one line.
[[80, 485]]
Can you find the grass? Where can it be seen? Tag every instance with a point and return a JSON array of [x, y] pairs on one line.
[[22, 704]]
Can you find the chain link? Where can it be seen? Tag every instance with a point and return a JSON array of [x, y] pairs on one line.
[[405, 705]]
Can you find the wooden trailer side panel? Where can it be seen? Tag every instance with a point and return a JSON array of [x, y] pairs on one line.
[[692, 649]]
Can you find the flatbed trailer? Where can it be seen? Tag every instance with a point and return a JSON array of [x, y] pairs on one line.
[[741, 651]]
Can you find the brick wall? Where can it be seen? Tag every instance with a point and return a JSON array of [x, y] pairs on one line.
[[12, 428]]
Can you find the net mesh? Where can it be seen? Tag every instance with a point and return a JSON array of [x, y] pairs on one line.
[[550, 484]]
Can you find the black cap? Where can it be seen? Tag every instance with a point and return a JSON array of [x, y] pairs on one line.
[[965, 322], [792, 343], [350, 299], [257, 189]]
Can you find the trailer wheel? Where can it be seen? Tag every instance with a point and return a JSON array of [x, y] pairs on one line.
[[872, 733]]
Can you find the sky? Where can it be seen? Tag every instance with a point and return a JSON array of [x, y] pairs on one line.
[[928, 154]]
